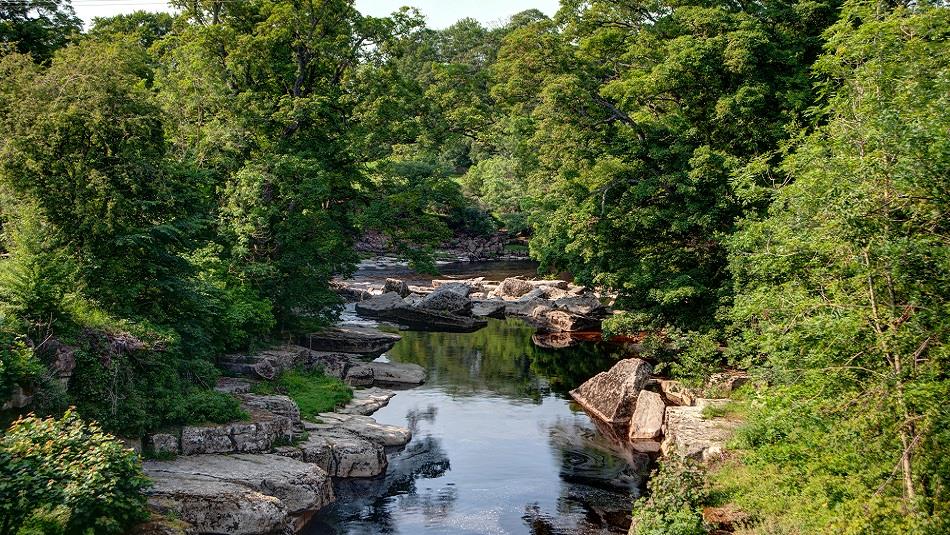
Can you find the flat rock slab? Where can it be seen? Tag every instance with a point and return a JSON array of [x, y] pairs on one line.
[[367, 401], [391, 307], [611, 396], [237, 494], [256, 436], [363, 341], [396, 373], [489, 309], [688, 434], [389, 436]]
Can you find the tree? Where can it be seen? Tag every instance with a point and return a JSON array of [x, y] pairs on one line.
[[842, 289], [38, 27]]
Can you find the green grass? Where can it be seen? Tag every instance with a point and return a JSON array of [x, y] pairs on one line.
[[313, 391], [732, 409]]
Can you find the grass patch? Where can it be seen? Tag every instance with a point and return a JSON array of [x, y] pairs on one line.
[[313, 391], [731, 409]]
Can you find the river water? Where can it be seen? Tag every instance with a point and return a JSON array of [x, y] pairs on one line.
[[497, 448]]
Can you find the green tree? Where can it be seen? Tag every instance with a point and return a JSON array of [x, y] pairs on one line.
[[38, 27], [842, 289]]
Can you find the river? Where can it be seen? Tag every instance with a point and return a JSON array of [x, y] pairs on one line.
[[497, 448]]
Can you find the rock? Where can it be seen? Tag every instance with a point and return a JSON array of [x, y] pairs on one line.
[[723, 384], [158, 525], [255, 436], [396, 373], [380, 306], [237, 494], [358, 340], [474, 285], [549, 320], [431, 320], [396, 285], [611, 396], [344, 454], [279, 405], [688, 434], [488, 309], [450, 298], [163, 443], [526, 307], [545, 292], [233, 385], [647, 420], [676, 393], [513, 288], [265, 364], [367, 401], [559, 284], [385, 435], [587, 305], [18, 399]]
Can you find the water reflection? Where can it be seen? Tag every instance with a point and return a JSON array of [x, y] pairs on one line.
[[497, 448]]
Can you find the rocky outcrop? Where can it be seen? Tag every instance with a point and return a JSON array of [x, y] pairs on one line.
[[677, 393], [390, 436], [238, 494], [689, 434], [380, 306], [585, 305], [265, 364], [238, 437], [367, 401], [611, 396], [647, 420], [350, 340]]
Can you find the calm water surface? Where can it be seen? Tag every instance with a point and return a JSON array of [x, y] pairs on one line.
[[497, 446]]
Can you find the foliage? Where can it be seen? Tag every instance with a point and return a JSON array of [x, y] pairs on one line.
[[842, 289], [677, 490], [67, 476], [38, 27], [313, 391]]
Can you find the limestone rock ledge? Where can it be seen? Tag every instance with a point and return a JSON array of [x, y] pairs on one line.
[[238, 494]]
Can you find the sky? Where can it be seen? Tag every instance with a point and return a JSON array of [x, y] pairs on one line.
[[439, 13]]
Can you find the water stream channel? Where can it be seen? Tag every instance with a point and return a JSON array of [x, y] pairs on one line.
[[497, 448]]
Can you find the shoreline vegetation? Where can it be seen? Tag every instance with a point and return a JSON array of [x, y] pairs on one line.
[[760, 187]]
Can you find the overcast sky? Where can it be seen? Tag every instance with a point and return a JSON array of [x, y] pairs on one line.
[[440, 13]]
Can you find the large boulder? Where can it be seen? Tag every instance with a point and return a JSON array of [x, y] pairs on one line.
[[380, 306], [552, 320], [586, 305], [237, 494], [611, 396], [396, 285], [358, 340], [688, 433], [450, 298], [386, 435], [513, 288], [395, 373], [265, 364], [647, 420]]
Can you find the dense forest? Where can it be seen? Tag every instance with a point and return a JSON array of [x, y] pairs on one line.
[[765, 186]]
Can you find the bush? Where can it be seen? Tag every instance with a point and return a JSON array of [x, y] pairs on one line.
[[677, 491], [18, 366], [313, 391], [67, 476]]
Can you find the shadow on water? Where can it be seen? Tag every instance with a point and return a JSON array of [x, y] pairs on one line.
[[497, 445]]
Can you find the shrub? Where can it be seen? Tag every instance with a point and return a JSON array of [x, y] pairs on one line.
[[677, 491], [67, 476]]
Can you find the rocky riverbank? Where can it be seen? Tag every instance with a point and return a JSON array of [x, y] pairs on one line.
[[660, 415]]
